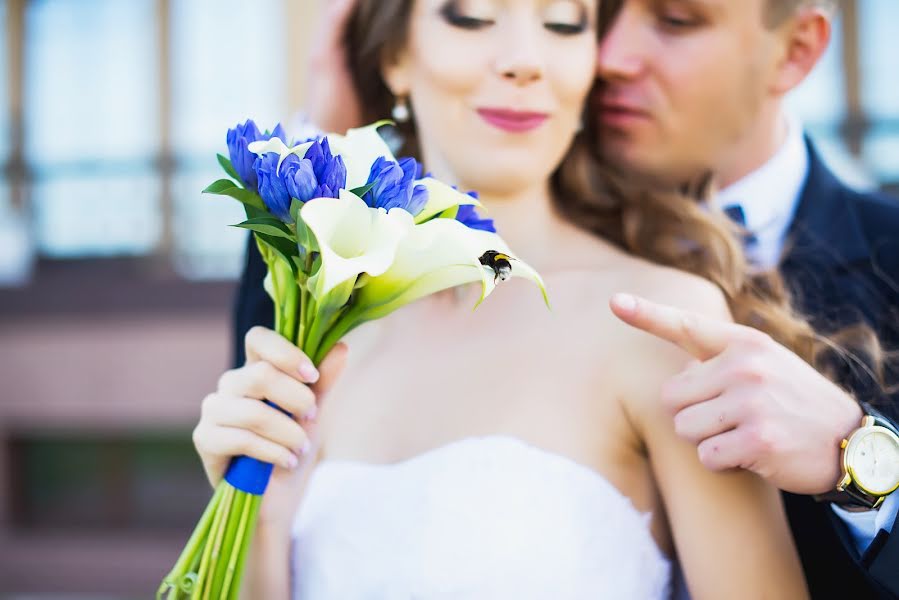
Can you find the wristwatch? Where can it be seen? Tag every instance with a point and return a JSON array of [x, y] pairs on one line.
[[870, 465]]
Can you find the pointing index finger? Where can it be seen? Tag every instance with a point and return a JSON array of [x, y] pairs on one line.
[[700, 336]]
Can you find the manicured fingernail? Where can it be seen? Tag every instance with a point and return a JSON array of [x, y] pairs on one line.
[[307, 448], [311, 413], [625, 302], [309, 372], [292, 461]]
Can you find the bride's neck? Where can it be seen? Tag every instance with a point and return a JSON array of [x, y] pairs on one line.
[[525, 218], [526, 221]]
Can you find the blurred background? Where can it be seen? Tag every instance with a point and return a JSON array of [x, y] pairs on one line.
[[117, 276]]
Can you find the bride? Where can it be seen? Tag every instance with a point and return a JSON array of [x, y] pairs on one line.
[[509, 452]]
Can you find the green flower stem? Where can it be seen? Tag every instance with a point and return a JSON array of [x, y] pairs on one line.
[[192, 551], [189, 581], [316, 331], [306, 304], [307, 315], [347, 321], [256, 501], [291, 309], [217, 524], [301, 327], [234, 554], [285, 293], [324, 319], [228, 550], [216, 553]]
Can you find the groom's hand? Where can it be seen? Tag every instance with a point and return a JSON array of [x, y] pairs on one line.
[[748, 402]]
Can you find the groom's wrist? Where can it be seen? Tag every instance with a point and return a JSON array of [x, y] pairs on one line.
[[855, 457]]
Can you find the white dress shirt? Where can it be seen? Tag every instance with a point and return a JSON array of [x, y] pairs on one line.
[[769, 197]]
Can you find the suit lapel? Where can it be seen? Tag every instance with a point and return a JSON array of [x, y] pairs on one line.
[[824, 246], [825, 230]]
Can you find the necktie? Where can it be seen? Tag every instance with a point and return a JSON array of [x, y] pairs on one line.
[[736, 214]]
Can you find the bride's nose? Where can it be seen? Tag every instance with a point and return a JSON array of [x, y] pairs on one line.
[[522, 72], [519, 58]]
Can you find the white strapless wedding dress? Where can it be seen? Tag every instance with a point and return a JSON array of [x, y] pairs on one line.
[[487, 517]]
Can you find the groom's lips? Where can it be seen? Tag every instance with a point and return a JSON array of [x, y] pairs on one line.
[[515, 121], [615, 113]]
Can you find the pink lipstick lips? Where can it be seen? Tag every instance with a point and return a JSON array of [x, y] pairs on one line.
[[515, 121]]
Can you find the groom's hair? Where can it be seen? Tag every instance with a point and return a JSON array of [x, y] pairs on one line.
[[778, 11]]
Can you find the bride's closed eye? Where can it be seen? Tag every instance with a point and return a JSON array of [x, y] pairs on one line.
[[469, 14], [566, 17]]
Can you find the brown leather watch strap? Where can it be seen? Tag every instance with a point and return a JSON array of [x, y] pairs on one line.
[[851, 497]]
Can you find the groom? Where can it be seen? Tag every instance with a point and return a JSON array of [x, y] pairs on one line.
[[690, 87]]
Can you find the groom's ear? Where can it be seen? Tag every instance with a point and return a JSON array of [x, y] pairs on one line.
[[805, 38]]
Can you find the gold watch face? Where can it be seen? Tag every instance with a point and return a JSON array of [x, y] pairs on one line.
[[873, 461]]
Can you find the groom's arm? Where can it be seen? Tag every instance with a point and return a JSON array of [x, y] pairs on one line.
[[734, 513], [787, 429], [881, 562], [876, 553], [875, 535]]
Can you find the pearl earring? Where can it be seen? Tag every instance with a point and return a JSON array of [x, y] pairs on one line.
[[400, 110]]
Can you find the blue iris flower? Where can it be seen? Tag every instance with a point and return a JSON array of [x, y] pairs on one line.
[[299, 178], [394, 186], [241, 158], [319, 174], [272, 186], [469, 217], [329, 170]]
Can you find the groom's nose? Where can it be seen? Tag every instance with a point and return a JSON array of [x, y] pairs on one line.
[[621, 52]]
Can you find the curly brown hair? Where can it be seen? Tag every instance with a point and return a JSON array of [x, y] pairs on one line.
[[675, 228]]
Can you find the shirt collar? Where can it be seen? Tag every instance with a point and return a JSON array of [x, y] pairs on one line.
[[770, 194]]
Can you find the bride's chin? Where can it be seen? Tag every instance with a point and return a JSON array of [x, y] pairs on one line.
[[504, 182]]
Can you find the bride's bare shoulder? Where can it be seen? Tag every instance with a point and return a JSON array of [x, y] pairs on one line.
[[642, 362], [599, 267], [673, 287]]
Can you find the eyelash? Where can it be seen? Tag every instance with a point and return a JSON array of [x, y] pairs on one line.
[[449, 13], [566, 28], [471, 23], [677, 23]]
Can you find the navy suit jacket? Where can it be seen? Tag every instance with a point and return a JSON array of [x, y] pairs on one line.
[[843, 265]]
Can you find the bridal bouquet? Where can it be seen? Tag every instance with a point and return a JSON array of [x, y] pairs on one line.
[[349, 234]]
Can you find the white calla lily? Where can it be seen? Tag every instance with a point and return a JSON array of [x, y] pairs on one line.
[[352, 238], [435, 256], [440, 198], [360, 148]]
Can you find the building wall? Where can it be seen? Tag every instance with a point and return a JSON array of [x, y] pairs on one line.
[[99, 395]]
